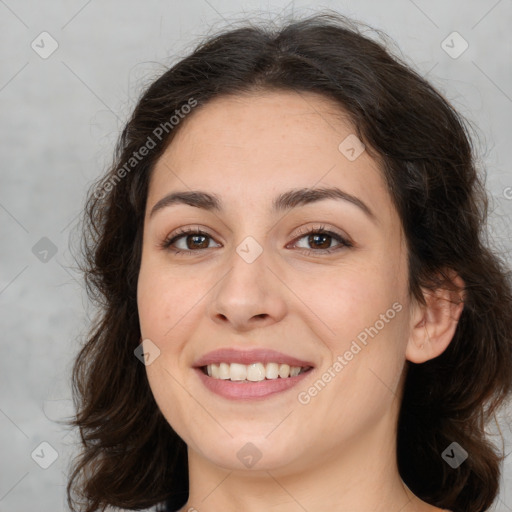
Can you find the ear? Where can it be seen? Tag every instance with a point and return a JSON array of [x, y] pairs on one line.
[[433, 325]]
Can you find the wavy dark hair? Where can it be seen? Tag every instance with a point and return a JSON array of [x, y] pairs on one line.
[[130, 456]]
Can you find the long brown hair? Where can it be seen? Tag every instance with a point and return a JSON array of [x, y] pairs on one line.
[[130, 456]]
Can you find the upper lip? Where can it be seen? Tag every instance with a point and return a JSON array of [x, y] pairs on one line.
[[260, 355]]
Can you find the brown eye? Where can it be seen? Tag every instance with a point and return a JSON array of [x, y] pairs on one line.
[[194, 239], [320, 239], [316, 239]]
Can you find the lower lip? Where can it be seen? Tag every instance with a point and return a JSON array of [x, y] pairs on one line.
[[249, 390]]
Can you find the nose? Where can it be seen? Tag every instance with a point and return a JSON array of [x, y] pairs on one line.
[[248, 296]]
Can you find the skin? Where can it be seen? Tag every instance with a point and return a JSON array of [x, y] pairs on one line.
[[338, 451]]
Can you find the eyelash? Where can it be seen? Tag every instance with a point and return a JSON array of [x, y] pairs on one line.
[[167, 242]]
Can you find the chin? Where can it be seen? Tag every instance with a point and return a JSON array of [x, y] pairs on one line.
[[243, 454]]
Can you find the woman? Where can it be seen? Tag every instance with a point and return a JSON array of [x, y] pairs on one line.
[[298, 311]]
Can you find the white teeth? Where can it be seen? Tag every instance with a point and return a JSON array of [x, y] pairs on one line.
[[272, 371], [254, 372], [224, 371], [294, 371], [284, 370], [237, 371]]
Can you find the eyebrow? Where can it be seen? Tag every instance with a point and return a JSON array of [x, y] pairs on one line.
[[283, 202]]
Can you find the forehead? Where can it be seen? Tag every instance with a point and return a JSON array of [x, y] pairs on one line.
[[250, 147]]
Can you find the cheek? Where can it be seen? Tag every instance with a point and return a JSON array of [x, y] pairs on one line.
[[162, 305], [361, 316], [168, 301], [156, 298], [352, 299]]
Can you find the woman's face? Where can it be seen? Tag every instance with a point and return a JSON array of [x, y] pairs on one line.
[[261, 277]]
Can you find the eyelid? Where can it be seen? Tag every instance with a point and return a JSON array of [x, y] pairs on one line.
[[325, 228], [188, 230], [182, 232]]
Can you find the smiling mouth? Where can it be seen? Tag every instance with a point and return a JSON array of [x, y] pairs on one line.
[[255, 372]]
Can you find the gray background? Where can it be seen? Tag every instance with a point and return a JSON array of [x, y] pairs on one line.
[[60, 117]]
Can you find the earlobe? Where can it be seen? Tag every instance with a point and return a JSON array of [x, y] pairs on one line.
[[433, 325]]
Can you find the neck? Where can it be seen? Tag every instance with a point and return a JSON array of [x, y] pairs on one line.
[[360, 475]]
